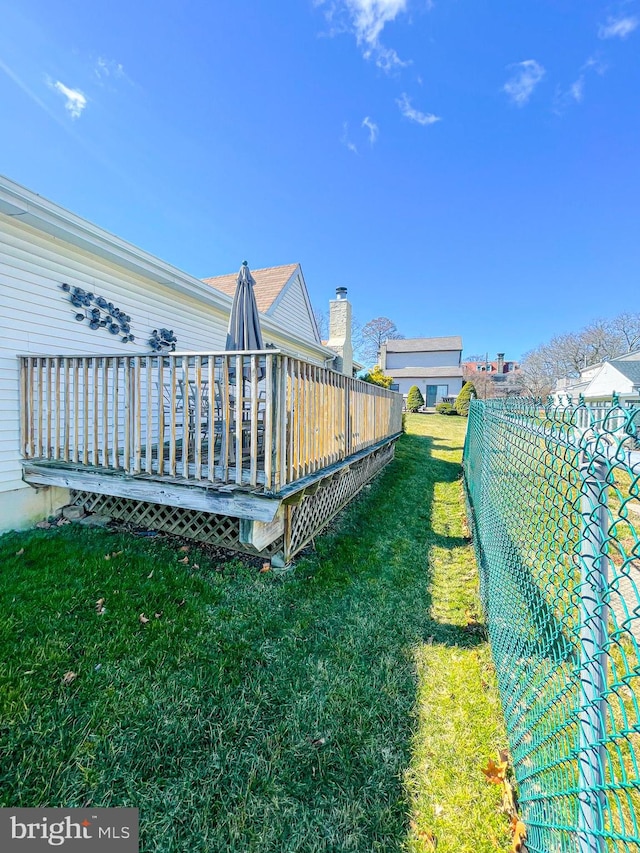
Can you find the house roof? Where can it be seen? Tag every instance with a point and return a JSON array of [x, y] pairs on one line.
[[423, 372], [424, 344], [630, 369], [270, 282]]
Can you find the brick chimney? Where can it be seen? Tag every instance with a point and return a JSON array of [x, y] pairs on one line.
[[340, 331], [500, 365]]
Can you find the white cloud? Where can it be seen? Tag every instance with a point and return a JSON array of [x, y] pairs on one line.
[[413, 114], [525, 79], [618, 27], [576, 89], [344, 139], [108, 68], [595, 63], [566, 98], [75, 100], [372, 127], [575, 93], [367, 19]]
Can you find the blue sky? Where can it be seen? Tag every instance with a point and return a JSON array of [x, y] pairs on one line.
[[462, 167]]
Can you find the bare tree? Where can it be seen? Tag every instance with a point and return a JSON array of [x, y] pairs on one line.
[[566, 355], [374, 334], [322, 321], [627, 326], [482, 382]]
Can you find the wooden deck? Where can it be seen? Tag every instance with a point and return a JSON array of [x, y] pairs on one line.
[[234, 434]]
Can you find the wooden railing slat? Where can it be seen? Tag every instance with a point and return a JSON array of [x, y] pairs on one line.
[[248, 418]]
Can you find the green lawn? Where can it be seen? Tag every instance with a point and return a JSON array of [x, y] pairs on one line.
[[346, 706]]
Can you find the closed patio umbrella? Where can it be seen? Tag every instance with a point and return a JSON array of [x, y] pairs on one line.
[[244, 323], [244, 334]]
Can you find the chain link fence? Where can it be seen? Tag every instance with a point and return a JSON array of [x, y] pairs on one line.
[[554, 501]]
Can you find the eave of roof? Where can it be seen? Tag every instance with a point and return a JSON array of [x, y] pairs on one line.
[[28, 207]]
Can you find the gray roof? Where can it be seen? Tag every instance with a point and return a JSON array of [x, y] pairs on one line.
[[630, 369], [423, 372], [629, 356], [425, 344]]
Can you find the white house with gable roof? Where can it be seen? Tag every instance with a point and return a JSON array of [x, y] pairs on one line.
[[433, 364]]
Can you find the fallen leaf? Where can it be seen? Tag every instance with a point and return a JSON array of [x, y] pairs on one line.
[[158, 614], [438, 809], [29, 672], [508, 802], [116, 553], [428, 839], [180, 603], [495, 772], [184, 560], [69, 677], [195, 566], [266, 567], [100, 608], [319, 741], [20, 552], [107, 556], [143, 619], [150, 575], [184, 549], [519, 834]]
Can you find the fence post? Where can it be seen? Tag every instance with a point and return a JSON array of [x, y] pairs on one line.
[[593, 660]]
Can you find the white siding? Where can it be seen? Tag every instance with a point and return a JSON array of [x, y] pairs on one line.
[[444, 358], [37, 317], [607, 381], [454, 384], [291, 310]]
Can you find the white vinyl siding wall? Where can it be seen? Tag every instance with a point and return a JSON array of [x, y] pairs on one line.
[[292, 312], [38, 318], [454, 383]]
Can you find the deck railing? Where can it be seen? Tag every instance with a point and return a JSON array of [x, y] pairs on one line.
[[249, 418]]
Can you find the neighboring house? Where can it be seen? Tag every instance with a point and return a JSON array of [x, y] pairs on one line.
[[599, 382], [496, 368], [433, 364], [43, 246], [494, 378]]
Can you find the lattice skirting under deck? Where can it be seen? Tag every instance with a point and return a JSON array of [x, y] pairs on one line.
[[221, 530], [303, 521], [307, 519]]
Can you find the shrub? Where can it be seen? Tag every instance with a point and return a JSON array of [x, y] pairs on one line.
[[415, 400], [375, 376], [446, 409], [464, 398]]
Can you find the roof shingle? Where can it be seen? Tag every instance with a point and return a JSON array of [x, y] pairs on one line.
[[425, 344], [269, 283]]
